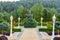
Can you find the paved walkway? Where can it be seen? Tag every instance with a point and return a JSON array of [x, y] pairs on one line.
[[29, 34]]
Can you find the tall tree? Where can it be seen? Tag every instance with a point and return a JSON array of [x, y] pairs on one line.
[[53, 11], [6, 16], [45, 15], [48, 13], [37, 11], [29, 22], [21, 12]]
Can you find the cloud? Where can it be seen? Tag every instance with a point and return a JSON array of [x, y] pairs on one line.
[[8, 0]]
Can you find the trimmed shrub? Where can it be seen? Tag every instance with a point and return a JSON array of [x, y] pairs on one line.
[[16, 30], [46, 29], [4, 27], [57, 25], [30, 22]]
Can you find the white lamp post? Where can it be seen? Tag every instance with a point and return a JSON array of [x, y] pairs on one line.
[[41, 21], [53, 18], [11, 18], [18, 22]]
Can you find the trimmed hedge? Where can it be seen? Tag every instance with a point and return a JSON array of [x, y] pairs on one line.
[[16, 30], [46, 29]]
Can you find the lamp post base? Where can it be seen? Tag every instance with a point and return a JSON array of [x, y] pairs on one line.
[[52, 39], [12, 37]]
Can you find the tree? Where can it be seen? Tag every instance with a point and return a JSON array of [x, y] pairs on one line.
[[45, 15], [48, 13], [37, 11], [52, 11], [15, 15], [29, 22], [57, 25], [6, 16], [21, 11], [4, 27], [1, 19], [58, 17]]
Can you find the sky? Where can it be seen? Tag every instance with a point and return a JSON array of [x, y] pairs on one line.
[[8, 0]]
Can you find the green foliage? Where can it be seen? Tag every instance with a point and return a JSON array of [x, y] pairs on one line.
[[52, 11], [45, 15], [43, 23], [22, 23], [45, 29], [1, 26], [39, 8], [1, 20], [48, 24], [10, 6], [21, 11], [16, 30], [0, 15], [57, 25], [37, 11], [29, 22], [58, 17], [4, 26], [48, 13], [6, 16], [8, 30]]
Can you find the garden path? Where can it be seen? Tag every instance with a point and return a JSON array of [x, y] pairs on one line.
[[29, 34]]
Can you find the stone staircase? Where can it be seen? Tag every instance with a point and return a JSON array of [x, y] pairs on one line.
[[44, 36]]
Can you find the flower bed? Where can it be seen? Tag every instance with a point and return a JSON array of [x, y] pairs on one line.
[[57, 38]]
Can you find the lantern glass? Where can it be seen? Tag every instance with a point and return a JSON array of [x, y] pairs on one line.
[[41, 18], [11, 18], [54, 18], [19, 18]]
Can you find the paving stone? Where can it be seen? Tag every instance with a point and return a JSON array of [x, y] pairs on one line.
[[29, 34]]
